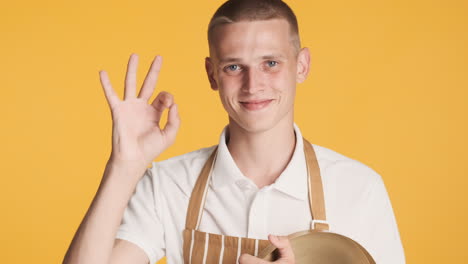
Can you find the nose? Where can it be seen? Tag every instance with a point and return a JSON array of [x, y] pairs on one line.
[[253, 81]]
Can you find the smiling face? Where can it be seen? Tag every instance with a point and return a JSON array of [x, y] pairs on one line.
[[255, 67]]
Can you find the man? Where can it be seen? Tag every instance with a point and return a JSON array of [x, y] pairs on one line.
[[257, 182]]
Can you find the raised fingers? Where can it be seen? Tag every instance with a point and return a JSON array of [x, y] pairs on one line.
[[111, 96], [151, 79], [130, 77]]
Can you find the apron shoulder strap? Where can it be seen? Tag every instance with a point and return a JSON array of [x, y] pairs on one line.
[[194, 211], [316, 196]]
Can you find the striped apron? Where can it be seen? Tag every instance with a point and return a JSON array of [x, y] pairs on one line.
[[201, 247]]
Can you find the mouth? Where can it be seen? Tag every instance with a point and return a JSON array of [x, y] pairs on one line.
[[256, 104]]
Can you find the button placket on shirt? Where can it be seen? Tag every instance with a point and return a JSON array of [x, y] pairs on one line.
[[257, 214]]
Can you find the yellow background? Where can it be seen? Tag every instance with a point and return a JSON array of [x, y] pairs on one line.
[[387, 86]]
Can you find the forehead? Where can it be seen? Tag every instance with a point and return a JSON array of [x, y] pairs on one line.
[[251, 38]]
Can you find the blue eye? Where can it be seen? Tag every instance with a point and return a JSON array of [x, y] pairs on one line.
[[272, 63], [233, 67]]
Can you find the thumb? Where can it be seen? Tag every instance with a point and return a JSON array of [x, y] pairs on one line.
[[286, 253]]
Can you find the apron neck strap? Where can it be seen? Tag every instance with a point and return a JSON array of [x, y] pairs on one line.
[[315, 190]]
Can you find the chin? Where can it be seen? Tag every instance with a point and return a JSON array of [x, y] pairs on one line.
[[254, 125], [259, 122]]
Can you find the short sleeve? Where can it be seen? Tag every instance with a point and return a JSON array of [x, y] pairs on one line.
[[141, 222], [385, 243]]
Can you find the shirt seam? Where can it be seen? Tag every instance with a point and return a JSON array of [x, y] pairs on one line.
[[121, 234]]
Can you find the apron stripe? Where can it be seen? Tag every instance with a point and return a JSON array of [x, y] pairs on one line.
[[207, 238], [256, 247], [221, 254], [239, 244], [191, 246]]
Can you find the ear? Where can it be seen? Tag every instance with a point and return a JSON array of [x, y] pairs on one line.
[[303, 65], [211, 73]]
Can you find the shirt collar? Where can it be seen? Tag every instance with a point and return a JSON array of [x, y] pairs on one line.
[[292, 181]]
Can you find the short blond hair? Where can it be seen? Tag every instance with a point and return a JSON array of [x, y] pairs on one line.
[[253, 10]]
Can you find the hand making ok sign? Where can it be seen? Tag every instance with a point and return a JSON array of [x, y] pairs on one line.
[[136, 133]]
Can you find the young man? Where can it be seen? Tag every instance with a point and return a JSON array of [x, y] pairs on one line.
[[243, 193]]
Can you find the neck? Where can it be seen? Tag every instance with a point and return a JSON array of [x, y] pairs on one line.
[[262, 156]]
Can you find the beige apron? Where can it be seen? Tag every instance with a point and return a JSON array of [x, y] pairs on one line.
[[201, 247]]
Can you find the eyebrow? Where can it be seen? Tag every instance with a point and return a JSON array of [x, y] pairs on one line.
[[273, 56], [265, 57], [226, 60]]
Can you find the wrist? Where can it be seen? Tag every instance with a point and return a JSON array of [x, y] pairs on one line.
[[122, 162], [126, 170]]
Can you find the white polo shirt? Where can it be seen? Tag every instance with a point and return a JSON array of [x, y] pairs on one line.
[[356, 201]]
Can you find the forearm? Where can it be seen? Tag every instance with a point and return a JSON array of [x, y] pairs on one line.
[[94, 239]]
